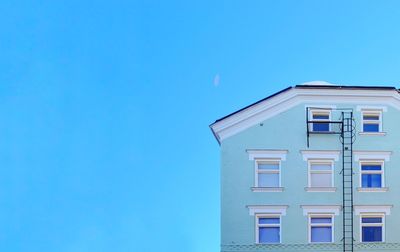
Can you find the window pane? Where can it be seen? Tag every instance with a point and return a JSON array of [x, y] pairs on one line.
[[321, 220], [321, 234], [371, 180], [321, 180], [321, 127], [268, 235], [372, 220], [372, 234], [371, 117], [321, 167], [371, 167], [268, 166], [268, 220], [320, 116], [268, 180], [368, 127]]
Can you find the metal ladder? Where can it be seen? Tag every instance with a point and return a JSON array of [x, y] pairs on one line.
[[347, 138]]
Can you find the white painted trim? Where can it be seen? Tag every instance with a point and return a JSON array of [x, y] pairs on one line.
[[275, 105], [372, 209], [372, 155], [383, 216], [319, 161], [365, 189], [267, 154], [382, 172], [321, 209], [313, 111], [258, 171], [320, 154], [258, 216], [267, 209], [372, 112], [267, 189], [332, 225], [372, 133], [367, 107], [320, 189], [317, 106]]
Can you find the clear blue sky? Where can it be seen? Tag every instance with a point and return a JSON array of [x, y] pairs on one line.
[[105, 107]]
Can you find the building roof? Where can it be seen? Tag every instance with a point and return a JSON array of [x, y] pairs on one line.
[[315, 85]]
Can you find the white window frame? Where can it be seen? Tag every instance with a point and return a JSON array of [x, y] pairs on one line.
[[257, 171], [320, 111], [258, 216], [373, 215], [310, 225], [371, 112], [382, 172], [321, 161]]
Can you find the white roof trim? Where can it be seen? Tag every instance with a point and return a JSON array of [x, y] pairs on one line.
[[284, 101], [319, 154], [265, 209], [277, 154], [361, 209], [321, 209], [366, 107], [372, 155]]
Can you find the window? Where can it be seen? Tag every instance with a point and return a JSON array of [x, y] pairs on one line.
[[267, 173], [372, 174], [320, 173], [268, 228], [372, 228], [371, 121], [320, 228], [322, 118]]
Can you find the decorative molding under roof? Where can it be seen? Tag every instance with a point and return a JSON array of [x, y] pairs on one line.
[[293, 96]]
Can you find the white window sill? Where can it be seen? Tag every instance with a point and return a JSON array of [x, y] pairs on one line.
[[267, 189], [268, 243], [320, 189], [322, 132], [372, 133], [373, 189]]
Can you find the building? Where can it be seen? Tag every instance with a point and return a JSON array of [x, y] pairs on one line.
[[314, 167]]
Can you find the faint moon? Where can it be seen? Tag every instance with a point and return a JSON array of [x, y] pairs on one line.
[[216, 80]]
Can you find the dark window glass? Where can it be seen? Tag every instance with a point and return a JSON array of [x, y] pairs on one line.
[[371, 180], [372, 234]]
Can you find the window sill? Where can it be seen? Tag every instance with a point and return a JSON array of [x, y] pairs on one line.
[[372, 133], [376, 189], [322, 132], [320, 189], [267, 189]]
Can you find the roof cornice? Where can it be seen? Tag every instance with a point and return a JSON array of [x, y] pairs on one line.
[[290, 97]]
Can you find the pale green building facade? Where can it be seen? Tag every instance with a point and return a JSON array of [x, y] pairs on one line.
[[278, 194]]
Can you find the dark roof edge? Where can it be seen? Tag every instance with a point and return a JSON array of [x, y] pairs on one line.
[[346, 87], [266, 98]]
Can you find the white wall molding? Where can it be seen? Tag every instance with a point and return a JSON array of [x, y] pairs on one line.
[[372, 155], [365, 209], [320, 154], [268, 154], [321, 209], [267, 209], [368, 107]]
